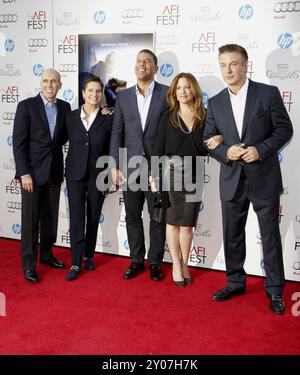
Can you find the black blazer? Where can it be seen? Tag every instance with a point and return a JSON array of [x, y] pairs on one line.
[[266, 126], [127, 129], [85, 147], [34, 150]]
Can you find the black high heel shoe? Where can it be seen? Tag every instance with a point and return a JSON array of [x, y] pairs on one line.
[[188, 280], [181, 284]]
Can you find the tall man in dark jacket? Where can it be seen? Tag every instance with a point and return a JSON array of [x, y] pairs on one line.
[[38, 135], [135, 123], [255, 125]]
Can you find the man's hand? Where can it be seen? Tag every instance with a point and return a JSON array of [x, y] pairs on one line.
[[27, 184], [251, 155], [117, 176], [235, 152], [152, 184]]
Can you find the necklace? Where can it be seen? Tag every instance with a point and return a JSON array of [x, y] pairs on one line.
[[180, 127]]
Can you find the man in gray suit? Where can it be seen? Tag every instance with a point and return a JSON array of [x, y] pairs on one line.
[[255, 125], [135, 122]]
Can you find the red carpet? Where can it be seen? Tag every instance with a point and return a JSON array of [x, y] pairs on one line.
[[100, 313]]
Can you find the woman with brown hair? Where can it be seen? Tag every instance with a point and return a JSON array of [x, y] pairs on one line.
[[180, 140]]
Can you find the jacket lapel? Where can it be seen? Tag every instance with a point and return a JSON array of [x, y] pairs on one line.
[[153, 103], [228, 115], [250, 102], [134, 105]]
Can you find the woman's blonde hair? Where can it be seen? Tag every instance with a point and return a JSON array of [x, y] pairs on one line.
[[197, 105]]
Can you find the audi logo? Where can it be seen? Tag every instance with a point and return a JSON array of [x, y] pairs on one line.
[[67, 68], [14, 205], [287, 6], [168, 39], [8, 116], [132, 13], [37, 42], [8, 18]]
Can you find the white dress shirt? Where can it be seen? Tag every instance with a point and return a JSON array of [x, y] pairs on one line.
[[144, 103], [238, 103], [88, 120]]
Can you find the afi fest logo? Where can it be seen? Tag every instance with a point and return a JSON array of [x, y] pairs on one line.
[[68, 45], [206, 43], [38, 20], [170, 16], [11, 95], [287, 99]]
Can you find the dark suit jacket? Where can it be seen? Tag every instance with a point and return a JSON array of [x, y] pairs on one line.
[[34, 150], [266, 126], [85, 147], [127, 129]]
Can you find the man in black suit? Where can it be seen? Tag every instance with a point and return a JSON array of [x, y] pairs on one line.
[[255, 125], [135, 122], [38, 135]]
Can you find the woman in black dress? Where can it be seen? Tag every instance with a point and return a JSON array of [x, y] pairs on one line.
[[179, 140]]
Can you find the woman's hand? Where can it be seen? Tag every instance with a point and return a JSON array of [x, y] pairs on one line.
[[214, 141]]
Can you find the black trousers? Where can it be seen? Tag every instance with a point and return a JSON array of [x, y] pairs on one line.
[[234, 215], [85, 205], [134, 202], [39, 216]]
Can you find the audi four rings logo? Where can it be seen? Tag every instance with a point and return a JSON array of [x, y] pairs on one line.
[[14, 205], [287, 6], [8, 18], [37, 42], [132, 13], [67, 68], [8, 116], [168, 39]]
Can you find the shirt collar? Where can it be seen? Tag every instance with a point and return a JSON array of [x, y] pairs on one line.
[[243, 90], [46, 102], [149, 91]]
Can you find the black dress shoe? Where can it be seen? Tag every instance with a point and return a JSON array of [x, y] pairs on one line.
[[133, 270], [156, 272], [276, 303], [227, 292], [73, 273], [54, 263], [89, 264], [31, 276]]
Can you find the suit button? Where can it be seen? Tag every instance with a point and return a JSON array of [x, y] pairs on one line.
[[87, 134], [87, 143]]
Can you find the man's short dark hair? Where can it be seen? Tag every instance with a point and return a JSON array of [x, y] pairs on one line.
[[233, 48], [149, 53]]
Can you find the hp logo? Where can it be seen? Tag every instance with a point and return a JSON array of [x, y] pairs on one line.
[[246, 11], [285, 40], [9, 45], [101, 220], [99, 17], [10, 140], [38, 70], [16, 228], [166, 70], [68, 95], [205, 99]]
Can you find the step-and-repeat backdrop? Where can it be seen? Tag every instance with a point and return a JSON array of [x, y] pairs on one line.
[[106, 35]]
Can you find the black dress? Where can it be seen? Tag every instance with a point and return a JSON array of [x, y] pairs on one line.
[[183, 176]]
